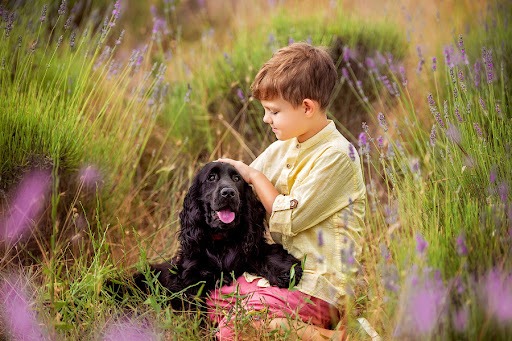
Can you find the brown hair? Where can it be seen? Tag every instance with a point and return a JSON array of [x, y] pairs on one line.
[[296, 72]]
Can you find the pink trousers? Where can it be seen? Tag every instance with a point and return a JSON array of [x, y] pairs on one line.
[[249, 298]]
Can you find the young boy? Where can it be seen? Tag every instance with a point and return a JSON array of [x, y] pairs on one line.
[[311, 184]]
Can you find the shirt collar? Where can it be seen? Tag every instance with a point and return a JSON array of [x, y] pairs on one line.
[[320, 136]]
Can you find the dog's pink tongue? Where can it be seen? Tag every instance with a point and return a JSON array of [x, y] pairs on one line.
[[226, 216]]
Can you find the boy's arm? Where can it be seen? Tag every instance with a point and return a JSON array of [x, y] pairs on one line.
[[265, 190]]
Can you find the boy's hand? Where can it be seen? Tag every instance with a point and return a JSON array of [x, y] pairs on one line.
[[245, 171], [265, 190]]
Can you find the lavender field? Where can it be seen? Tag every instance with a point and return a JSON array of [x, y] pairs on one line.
[[108, 108]]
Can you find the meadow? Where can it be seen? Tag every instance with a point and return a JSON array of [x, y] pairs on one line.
[[108, 108]]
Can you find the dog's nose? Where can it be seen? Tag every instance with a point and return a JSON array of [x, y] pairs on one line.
[[227, 192]]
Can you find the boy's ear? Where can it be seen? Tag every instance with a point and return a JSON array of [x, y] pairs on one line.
[[310, 107]]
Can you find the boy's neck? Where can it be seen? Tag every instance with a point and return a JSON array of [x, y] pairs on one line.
[[317, 124]]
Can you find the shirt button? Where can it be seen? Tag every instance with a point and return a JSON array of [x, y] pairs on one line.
[[288, 166], [294, 203], [298, 146]]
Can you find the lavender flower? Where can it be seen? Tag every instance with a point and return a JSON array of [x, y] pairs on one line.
[[457, 114], [364, 146], [492, 175], [434, 64], [370, 64], [463, 50], [43, 13], [433, 136], [496, 294], [489, 66], [382, 121], [380, 142], [448, 51], [503, 192], [129, 331], [115, 13], [351, 152], [498, 109], [453, 133], [90, 176], [421, 244], [423, 307], [26, 206], [20, 319], [482, 104], [462, 249], [62, 8], [320, 238], [478, 130], [240, 95], [421, 59], [347, 54], [67, 24], [460, 319]]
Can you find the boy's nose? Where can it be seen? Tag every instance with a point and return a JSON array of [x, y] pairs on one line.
[[266, 118]]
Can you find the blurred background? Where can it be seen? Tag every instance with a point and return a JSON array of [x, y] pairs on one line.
[[108, 108]]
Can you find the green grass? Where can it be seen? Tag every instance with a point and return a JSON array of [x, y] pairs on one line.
[[149, 128]]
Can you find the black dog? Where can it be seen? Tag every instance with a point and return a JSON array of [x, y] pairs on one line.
[[222, 236]]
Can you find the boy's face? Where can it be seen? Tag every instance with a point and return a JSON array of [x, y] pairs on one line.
[[286, 121]]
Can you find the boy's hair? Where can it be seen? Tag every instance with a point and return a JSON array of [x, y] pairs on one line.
[[297, 72]]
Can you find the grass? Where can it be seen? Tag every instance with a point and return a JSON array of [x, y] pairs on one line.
[[121, 136]]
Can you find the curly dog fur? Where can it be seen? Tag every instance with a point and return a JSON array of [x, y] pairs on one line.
[[222, 236]]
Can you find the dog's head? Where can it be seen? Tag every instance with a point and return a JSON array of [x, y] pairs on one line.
[[218, 201], [222, 192]]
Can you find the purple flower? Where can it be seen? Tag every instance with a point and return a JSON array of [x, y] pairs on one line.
[[370, 63], [434, 64], [90, 176], [503, 192], [320, 238], [433, 136], [380, 142], [421, 244], [478, 130], [382, 121], [423, 307], [19, 316], [462, 249], [497, 296], [240, 95], [43, 13], [347, 54], [62, 8], [457, 114], [26, 206], [129, 331], [492, 175], [460, 319], [489, 66], [351, 152], [453, 133]]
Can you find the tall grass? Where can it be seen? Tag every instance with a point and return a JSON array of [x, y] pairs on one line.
[[121, 138]]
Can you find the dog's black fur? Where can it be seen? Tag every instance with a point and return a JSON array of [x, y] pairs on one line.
[[211, 249]]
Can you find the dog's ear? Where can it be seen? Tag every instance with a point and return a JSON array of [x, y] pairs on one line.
[[254, 220], [191, 217]]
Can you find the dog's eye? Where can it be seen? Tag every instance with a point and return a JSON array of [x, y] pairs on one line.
[[212, 177], [236, 178]]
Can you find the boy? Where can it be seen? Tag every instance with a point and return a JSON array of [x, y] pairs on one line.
[[311, 184]]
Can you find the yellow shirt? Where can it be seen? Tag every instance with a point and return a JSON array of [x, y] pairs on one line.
[[319, 212]]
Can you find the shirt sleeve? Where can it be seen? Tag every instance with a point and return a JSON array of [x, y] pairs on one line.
[[331, 185]]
